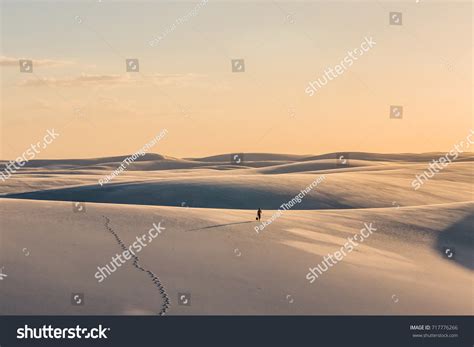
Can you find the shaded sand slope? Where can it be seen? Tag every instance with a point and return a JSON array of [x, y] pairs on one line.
[[228, 268]]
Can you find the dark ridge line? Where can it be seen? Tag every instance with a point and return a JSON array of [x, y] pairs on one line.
[[166, 301]]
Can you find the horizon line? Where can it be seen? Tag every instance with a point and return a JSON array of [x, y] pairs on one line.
[[245, 153]]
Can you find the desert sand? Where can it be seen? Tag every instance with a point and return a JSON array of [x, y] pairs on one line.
[[210, 249]]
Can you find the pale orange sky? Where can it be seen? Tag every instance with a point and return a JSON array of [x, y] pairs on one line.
[[80, 88]]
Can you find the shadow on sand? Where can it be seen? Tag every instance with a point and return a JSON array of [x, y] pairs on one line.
[[458, 240], [219, 225]]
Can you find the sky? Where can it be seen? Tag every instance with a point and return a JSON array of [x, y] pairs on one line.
[[80, 86]]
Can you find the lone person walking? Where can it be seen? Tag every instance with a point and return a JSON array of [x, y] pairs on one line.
[[259, 214]]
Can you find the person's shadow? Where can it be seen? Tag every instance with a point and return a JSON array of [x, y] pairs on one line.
[[219, 225]]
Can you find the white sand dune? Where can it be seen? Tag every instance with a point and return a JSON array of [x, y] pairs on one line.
[[250, 189], [212, 251], [253, 157], [398, 270]]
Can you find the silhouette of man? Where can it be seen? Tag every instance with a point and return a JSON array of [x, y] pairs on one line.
[[259, 214]]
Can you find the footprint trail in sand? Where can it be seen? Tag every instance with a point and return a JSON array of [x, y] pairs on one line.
[[136, 263]]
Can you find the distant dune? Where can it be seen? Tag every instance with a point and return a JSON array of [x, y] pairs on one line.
[[364, 181]]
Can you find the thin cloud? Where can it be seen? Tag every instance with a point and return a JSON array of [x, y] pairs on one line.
[[14, 62], [90, 80]]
